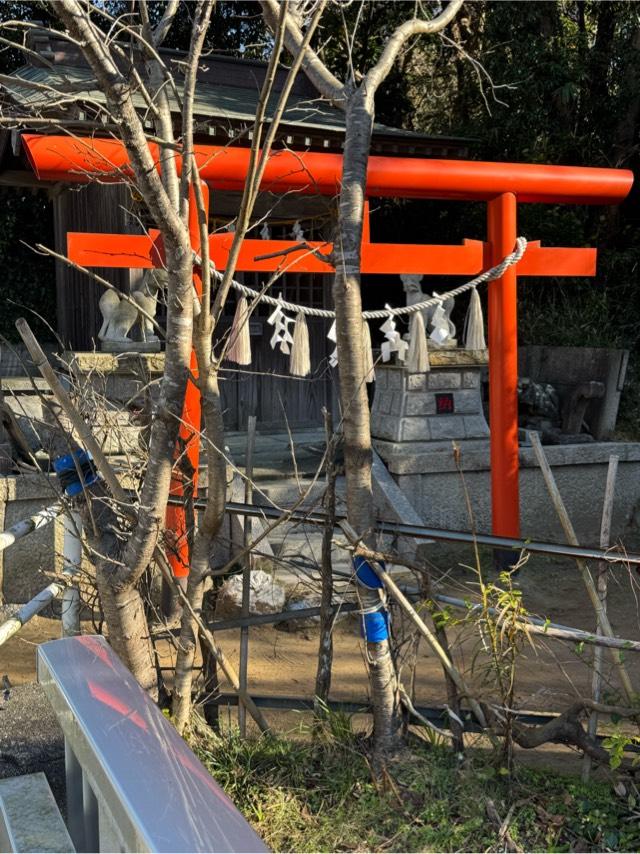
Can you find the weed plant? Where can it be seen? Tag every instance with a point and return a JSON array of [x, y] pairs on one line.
[[314, 791]]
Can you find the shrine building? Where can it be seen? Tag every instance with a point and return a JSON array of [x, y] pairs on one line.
[[224, 114]]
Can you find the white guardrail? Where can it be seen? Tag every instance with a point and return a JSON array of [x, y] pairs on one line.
[[133, 784]]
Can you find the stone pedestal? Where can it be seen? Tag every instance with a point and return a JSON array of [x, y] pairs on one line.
[[442, 404], [120, 377], [113, 391]]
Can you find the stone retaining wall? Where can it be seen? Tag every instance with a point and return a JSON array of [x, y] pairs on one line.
[[428, 476]]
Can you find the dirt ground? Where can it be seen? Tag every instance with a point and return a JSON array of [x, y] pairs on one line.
[[549, 677]]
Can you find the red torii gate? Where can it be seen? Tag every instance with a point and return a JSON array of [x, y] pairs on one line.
[[501, 185]]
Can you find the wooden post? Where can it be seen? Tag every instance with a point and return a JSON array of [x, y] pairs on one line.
[[570, 534], [603, 569], [246, 571]]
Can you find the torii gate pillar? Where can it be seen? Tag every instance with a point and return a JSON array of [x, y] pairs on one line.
[[503, 370]]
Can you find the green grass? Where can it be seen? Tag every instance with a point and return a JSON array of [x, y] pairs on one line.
[[318, 794]]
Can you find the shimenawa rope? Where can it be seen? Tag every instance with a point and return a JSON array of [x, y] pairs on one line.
[[381, 314]]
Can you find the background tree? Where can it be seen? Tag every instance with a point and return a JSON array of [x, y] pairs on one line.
[[566, 92]]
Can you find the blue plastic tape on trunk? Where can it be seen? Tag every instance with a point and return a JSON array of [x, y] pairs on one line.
[[71, 480], [365, 574], [376, 626]]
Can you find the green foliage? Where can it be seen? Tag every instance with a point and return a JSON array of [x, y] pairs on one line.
[[319, 795], [617, 743]]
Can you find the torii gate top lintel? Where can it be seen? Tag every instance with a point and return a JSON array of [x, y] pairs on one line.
[[501, 185], [79, 160]]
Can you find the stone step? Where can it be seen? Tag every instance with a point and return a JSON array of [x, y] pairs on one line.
[[285, 492], [273, 457], [29, 816]]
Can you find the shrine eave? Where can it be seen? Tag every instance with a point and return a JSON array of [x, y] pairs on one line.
[[222, 111]]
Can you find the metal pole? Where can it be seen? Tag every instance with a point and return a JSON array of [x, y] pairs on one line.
[[40, 601], [72, 561], [28, 526], [447, 535], [551, 630], [503, 372]]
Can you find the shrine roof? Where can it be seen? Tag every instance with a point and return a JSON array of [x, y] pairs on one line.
[[221, 109]]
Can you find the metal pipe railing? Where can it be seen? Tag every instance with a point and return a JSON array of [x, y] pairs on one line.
[[40, 601], [72, 558], [422, 532], [28, 526]]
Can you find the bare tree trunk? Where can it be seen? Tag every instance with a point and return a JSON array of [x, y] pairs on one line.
[[208, 527], [355, 405], [325, 646], [118, 582], [128, 630], [358, 102], [122, 605]]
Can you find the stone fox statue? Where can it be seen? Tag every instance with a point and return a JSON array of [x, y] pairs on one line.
[[435, 316], [119, 316]]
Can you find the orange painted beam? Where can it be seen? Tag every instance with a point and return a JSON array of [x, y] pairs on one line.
[[467, 259], [81, 160], [554, 261], [385, 258], [133, 251]]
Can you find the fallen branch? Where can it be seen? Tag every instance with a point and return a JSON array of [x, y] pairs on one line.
[[566, 728]]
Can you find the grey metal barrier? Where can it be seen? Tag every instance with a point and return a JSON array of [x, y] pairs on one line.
[[133, 784]]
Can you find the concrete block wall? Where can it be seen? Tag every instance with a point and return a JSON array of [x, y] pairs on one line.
[[428, 476]]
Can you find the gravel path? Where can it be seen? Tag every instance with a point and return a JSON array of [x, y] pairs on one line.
[[30, 738]]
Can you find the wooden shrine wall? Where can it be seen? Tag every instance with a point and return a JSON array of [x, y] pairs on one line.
[[265, 388], [97, 208]]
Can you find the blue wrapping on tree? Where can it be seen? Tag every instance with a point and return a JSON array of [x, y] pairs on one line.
[[66, 468], [375, 627], [365, 574]]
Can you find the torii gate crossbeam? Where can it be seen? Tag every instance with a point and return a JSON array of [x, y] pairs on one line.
[[501, 185]]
